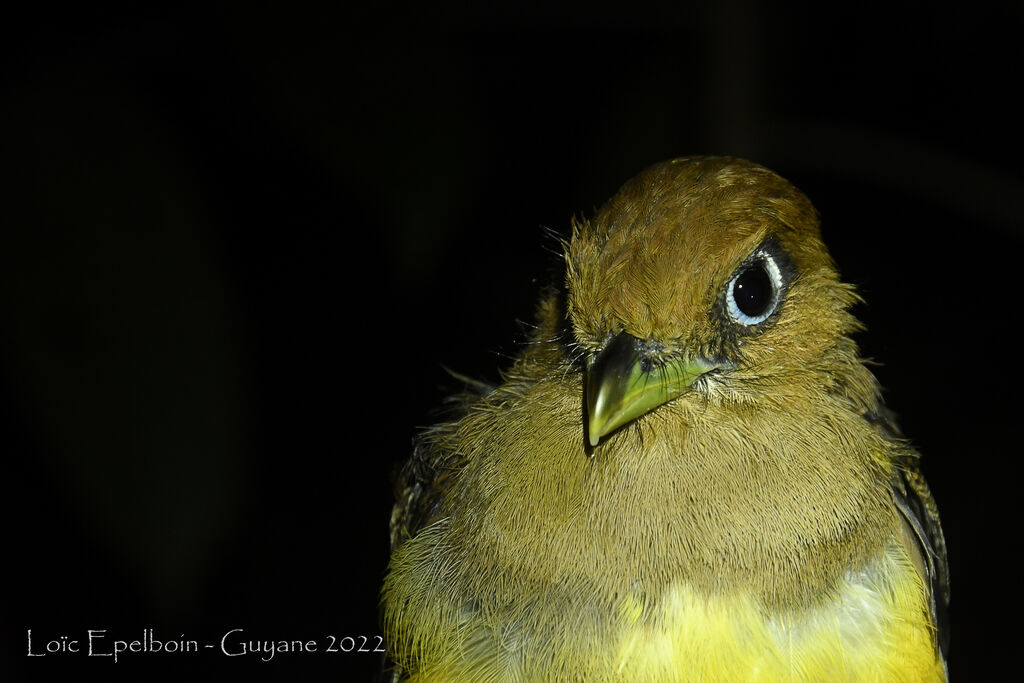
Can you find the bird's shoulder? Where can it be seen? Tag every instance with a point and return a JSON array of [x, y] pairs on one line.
[[923, 535], [422, 481]]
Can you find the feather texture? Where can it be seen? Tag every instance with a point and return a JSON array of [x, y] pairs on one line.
[[756, 527]]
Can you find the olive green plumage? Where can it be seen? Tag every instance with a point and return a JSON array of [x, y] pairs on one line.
[[689, 443]]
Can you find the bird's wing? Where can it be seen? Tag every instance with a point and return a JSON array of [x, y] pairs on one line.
[[915, 502], [914, 499], [420, 485], [419, 491], [422, 480]]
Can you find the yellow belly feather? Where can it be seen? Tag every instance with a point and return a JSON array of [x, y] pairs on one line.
[[876, 630]]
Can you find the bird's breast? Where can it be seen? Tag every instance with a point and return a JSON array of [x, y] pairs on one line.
[[682, 550], [874, 627]]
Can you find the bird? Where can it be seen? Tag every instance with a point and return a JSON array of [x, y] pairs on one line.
[[688, 473]]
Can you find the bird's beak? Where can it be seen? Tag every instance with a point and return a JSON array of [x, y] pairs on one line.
[[622, 386]]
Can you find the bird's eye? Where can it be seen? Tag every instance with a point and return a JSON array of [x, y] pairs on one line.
[[753, 293]]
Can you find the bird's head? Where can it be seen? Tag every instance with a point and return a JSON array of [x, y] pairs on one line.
[[704, 278]]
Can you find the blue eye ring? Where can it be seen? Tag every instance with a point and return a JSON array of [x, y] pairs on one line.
[[754, 292]]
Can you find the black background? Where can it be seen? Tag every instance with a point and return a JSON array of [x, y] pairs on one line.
[[238, 243]]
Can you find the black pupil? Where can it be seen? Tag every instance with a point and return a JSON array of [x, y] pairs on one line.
[[752, 291]]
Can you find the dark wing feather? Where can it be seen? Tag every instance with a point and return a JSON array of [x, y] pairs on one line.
[[422, 480], [915, 501], [420, 483]]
